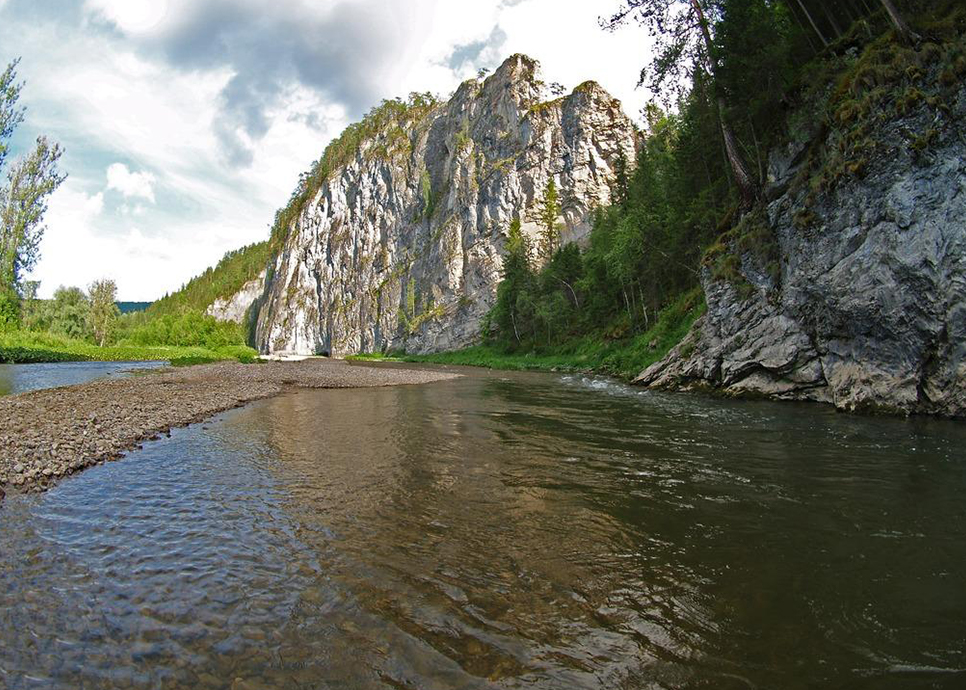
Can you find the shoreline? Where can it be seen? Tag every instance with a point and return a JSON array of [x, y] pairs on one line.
[[483, 357], [55, 432]]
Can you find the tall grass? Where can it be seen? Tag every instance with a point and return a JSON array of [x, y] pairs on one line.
[[25, 347]]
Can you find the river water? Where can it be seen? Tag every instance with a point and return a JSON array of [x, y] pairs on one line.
[[20, 378], [499, 531]]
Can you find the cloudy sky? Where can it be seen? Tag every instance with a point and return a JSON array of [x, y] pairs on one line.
[[187, 122]]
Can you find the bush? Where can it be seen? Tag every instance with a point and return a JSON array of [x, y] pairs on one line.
[[190, 329], [9, 310]]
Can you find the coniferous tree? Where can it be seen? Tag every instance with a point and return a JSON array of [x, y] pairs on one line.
[[683, 40], [512, 314], [548, 213]]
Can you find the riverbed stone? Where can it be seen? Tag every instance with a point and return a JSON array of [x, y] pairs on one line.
[[50, 432]]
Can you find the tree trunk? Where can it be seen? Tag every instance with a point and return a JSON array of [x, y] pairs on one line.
[[805, 32], [830, 15], [905, 32], [747, 189], [812, 22]]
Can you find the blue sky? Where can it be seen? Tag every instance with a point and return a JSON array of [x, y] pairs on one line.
[[187, 122]]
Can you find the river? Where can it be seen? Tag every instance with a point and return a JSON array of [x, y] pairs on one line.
[[20, 378], [499, 531]]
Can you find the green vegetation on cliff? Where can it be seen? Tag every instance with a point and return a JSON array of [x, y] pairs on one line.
[[760, 78], [220, 282], [384, 128]]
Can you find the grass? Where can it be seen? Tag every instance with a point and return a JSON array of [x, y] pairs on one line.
[[624, 358], [25, 347]]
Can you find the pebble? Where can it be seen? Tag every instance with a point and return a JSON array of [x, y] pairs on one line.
[[58, 431]]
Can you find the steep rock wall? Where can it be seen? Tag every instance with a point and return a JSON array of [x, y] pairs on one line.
[[234, 308], [402, 248], [867, 309]]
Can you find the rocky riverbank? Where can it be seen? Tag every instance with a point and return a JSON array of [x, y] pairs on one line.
[[49, 434], [857, 296]]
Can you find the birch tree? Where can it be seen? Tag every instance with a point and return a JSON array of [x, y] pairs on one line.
[[103, 313], [30, 181]]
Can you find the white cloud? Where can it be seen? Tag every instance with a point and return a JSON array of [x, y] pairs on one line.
[[130, 184], [131, 16], [109, 90]]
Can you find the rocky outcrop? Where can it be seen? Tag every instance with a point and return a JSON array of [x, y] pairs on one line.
[[235, 307], [866, 308], [402, 247]]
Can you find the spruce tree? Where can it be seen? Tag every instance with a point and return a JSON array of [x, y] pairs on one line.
[[548, 213]]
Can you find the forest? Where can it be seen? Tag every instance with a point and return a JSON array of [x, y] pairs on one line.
[[734, 79]]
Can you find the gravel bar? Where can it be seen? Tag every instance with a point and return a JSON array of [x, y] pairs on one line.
[[52, 433]]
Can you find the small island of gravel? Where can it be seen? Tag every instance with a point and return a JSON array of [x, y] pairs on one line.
[[52, 433]]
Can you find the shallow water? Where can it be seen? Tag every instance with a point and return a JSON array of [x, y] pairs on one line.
[[501, 530], [20, 378]]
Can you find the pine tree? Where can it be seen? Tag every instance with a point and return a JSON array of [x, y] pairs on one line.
[[684, 44], [513, 312], [549, 212]]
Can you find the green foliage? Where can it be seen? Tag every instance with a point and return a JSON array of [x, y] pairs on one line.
[[411, 298], [513, 312], [235, 269], [547, 214], [463, 139], [9, 309], [188, 329], [30, 181], [102, 317], [624, 358], [383, 127], [426, 190], [26, 347], [67, 315]]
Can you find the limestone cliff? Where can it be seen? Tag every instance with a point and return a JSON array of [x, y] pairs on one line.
[[401, 246], [234, 307], [862, 302]]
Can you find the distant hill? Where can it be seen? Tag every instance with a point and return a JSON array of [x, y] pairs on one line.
[[128, 307]]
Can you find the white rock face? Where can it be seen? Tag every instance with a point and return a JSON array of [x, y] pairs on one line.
[[402, 248], [234, 308]]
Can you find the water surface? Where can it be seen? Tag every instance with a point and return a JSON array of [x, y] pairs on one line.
[[499, 531], [20, 378]]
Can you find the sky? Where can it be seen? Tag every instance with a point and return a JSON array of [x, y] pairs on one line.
[[186, 123]]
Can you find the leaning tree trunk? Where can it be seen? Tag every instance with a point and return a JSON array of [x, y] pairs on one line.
[[905, 32], [811, 21], [747, 186]]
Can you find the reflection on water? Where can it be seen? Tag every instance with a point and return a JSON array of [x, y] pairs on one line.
[[20, 378], [499, 531]]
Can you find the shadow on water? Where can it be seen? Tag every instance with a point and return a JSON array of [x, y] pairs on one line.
[[500, 530]]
